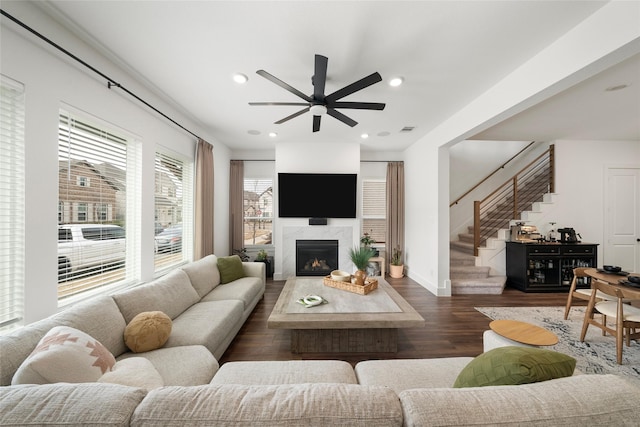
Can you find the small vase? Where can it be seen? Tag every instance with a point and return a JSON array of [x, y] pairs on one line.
[[360, 276]]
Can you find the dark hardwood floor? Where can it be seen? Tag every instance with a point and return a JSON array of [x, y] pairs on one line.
[[453, 327]]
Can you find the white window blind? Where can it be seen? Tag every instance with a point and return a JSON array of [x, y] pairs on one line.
[[258, 211], [12, 212], [173, 211], [99, 197], [374, 206]]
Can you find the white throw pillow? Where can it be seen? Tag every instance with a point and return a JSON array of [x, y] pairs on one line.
[[65, 354], [135, 372]]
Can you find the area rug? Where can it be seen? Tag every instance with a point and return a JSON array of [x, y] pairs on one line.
[[596, 355]]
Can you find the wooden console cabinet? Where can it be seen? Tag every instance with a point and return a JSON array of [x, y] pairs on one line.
[[547, 267]]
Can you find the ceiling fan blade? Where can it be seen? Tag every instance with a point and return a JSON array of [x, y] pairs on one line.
[[296, 114], [316, 123], [283, 85], [279, 103], [359, 105], [344, 119], [319, 77], [354, 87]]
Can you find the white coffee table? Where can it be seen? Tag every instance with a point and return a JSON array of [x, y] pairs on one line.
[[349, 323]]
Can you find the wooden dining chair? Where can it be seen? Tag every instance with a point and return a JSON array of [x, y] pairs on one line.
[[583, 294], [627, 317]]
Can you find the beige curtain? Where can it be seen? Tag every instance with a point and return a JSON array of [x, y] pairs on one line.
[[236, 205], [203, 242], [395, 208]]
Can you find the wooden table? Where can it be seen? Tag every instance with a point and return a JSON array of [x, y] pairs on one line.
[[613, 279], [523, 332], [349, 323], [381, 261]]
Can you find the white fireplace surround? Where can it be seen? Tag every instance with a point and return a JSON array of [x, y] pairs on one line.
[[344, 236]]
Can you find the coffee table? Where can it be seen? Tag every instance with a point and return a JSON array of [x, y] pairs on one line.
[[348, 323]]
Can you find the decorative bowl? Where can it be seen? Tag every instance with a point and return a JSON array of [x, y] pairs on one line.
[[633, 279], [612, 268], [341, 276]]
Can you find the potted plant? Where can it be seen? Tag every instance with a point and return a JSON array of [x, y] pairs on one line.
[[396, 268], [263, 256], [367, 241], [360, 258]]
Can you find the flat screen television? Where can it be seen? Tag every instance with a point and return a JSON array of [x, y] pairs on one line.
[[317, 195]]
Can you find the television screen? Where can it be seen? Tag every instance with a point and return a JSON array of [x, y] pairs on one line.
[[317, 195]]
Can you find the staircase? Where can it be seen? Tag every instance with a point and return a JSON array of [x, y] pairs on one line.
[[495, 219]]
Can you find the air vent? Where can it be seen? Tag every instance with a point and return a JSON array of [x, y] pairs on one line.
[[407, 129]]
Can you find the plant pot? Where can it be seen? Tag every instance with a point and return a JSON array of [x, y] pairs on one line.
[[360, 276], [396, 271]]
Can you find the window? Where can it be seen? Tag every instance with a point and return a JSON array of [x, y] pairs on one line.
[[98, 206], [12, 212], [173, 206], [258, 211], [374, 206]]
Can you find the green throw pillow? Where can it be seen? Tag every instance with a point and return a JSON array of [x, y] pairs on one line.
[[230, 268], [513, 365]]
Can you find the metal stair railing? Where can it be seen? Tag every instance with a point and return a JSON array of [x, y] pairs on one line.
[[510, 199]]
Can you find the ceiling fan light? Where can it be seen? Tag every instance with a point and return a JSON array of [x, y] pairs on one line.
[[240, 78], [396, 81], [318, 110]]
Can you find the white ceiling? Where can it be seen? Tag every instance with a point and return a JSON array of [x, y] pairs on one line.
[[449, 52]]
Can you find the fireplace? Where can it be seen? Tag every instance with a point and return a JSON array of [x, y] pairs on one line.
[[316, 257]]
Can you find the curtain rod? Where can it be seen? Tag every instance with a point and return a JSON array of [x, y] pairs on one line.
[[110, 82]]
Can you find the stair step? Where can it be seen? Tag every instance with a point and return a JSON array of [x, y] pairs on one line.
[[469, 272], [467, 238], [458, 259], [462, 246], [492, 285]]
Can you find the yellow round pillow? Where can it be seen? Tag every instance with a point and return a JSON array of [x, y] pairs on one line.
[[147, 331]]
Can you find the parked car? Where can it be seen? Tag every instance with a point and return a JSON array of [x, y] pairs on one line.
[[169, 240], [84, 246]]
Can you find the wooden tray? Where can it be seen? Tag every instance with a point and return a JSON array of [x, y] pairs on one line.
[[351, 287]]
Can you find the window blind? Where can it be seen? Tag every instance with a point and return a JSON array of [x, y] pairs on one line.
[[99, 197], [374, 205], [12, 203], [173, 211]]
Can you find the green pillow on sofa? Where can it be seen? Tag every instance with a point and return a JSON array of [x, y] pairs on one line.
[[230, 268], [514, 365]]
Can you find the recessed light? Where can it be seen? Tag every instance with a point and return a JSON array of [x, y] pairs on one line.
[[240, 78], [396, 81], [364, 136], [273, 134], [617, 87]]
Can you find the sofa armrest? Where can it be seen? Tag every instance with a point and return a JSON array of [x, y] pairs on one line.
[[255, 269]]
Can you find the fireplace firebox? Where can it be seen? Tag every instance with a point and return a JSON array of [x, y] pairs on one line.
[[316, 257]]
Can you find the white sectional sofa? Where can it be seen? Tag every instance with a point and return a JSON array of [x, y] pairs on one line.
[[206, 316], [197, 391]]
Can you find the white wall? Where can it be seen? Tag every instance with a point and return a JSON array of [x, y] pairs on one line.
[[51, 81]]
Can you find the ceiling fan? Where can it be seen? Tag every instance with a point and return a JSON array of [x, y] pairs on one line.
[[319, 103]]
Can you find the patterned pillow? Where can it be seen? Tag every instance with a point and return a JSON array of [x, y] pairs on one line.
[[513, 365], [65, 354]]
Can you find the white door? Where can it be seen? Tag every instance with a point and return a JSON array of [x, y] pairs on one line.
[[622, 218]]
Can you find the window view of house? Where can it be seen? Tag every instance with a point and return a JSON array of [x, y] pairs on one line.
[[92, 168], [374, 205], [258, 211]]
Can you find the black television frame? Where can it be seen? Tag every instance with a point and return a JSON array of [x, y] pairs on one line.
[[336, 196]]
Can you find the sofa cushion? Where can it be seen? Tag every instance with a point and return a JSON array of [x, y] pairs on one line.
[[65, 354], [147, 331], [172, 294], [98, 317], [573, 401], [285, 372], [270, 405], [230, 268], [88, 404], [206, 323], [515, 365], [403, 374], [203, 274], [134, 372], [180, 366], [246, 289]]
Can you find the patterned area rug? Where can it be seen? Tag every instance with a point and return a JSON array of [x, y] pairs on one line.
[[596, 355]]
